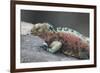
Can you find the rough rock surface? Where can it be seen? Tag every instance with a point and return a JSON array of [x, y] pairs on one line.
[[31, 52]]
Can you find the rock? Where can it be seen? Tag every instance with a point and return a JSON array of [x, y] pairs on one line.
[[26, 28], [32, 52]]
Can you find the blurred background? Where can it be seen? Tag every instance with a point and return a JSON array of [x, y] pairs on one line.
[[77, 21]]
